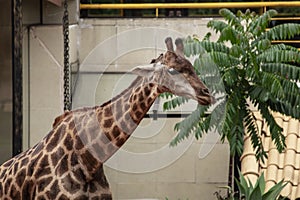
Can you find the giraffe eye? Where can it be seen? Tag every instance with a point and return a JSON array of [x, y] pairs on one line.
[[172, 71]]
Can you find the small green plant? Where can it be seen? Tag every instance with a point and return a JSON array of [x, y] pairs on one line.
[[257, 192]]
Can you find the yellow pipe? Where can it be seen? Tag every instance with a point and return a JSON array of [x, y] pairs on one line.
[[285, 18], [286, 41], [191, 5]]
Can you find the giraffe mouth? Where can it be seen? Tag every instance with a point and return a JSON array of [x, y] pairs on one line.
[[205, 100], [202, 100]]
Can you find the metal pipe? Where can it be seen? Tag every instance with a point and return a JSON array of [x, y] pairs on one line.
[[285, 18], [191, 5], [285, 41]]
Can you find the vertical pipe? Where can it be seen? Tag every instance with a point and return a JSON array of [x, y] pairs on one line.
[[29, 89], [17, 76], [41, 12], [122, 10], [230, 173]]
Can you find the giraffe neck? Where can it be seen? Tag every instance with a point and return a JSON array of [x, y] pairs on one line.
[[129, 108], [115, 121]]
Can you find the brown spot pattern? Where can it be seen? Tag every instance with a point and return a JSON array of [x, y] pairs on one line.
[[82, 197], [54, 190], [56, 137], [70, 185], [56, 156], [108, 123], [89, 160], [107, 112], [21, 177], [116, 131], [43, 183], [63, 167]]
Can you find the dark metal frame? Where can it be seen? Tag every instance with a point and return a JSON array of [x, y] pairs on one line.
[[17, 77]]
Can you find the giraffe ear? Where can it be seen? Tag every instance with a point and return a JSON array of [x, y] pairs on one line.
[[144, 70]]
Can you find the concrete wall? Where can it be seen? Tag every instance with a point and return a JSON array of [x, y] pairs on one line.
[[43, 80], [5, 81], [45, 12], [145, 167]]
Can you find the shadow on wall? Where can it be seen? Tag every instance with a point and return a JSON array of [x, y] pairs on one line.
[[6, 129]]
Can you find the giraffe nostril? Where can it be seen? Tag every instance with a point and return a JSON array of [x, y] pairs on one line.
[[205, 91]]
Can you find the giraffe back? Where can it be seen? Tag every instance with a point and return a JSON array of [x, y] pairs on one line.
[[53, 168]]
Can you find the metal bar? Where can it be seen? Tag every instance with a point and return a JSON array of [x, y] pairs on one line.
[[192, 5], [167, 116], [285, 18], [17, 76], [285, 41]]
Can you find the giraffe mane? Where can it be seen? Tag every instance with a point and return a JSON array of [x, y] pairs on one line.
[[60, 118]]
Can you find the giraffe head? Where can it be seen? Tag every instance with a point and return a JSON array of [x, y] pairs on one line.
[[175, 74]]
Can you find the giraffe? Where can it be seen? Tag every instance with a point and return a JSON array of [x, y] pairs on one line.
[[68, 162]]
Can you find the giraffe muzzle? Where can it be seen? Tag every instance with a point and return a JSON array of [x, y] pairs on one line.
[[205, 97]]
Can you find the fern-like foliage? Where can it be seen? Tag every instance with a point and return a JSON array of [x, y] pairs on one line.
[[250, 69]]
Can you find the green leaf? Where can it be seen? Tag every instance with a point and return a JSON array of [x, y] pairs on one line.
[[252, 128], [275, 129], [232, 126], [259, 25], [285, 70], [230, 77], [263, 44], [166, 95], [256, 194], [243, 185], [274, 192], [236, 50], [217, 25], [288, 108], [271, 83], [188, 49], [279, 56], [174, 103], [228, 34], [188, 125], [213, 46], [282, 32], [224, 60], [232, 19], [261, 183]]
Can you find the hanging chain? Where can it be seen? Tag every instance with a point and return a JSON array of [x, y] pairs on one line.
[[67, 95]]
